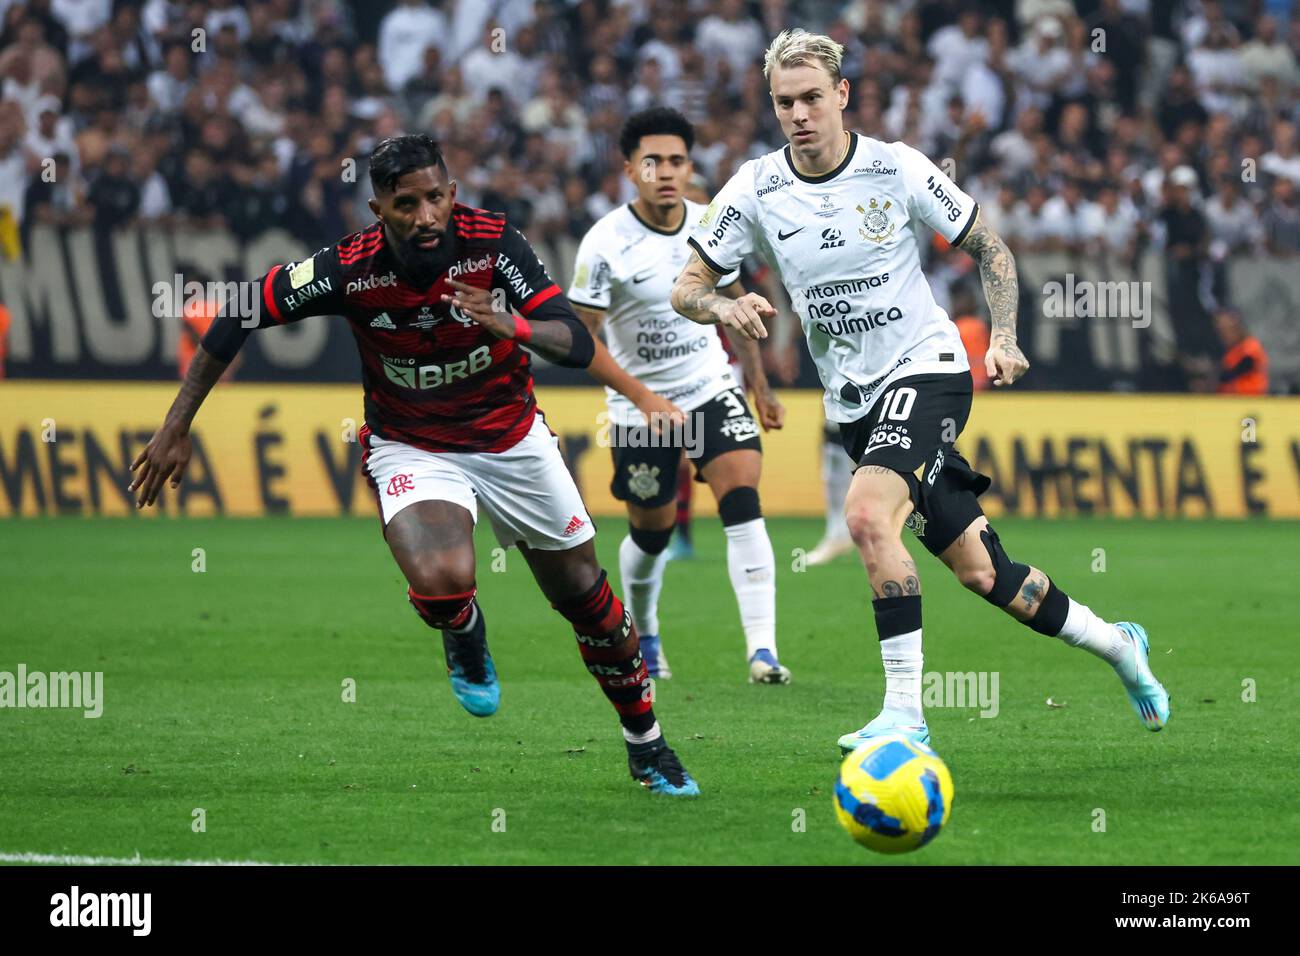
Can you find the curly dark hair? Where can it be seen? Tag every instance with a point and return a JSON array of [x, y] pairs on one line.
[[396, 156], [656, 121]]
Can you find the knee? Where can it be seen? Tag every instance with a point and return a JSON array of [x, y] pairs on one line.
[[441, 590], [870, 523], [436, 575], [977, 579]]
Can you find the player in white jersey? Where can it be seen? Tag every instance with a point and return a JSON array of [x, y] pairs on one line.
[[835, 213], [670, 391]]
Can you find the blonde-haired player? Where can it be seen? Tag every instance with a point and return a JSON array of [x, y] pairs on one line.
[[833, 212]]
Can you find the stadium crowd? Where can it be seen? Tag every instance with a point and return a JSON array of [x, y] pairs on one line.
[[1096, 126]]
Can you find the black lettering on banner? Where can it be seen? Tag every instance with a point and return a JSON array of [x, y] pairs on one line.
[[65, 503], [1157, 447], [269, 471], [25, 469], [1079, 474], [342, 477], [1191, 478], [1111, 472], [1251, 476], [200, 478], [116, 474]]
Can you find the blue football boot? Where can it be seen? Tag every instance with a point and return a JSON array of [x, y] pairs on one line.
[[657, 769], [1147, 695], [888, 722]]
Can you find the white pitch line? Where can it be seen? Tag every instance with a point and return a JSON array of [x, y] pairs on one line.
[[51, 859]]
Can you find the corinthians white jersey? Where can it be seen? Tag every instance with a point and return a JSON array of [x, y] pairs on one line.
[[626, 268], [846, 247]]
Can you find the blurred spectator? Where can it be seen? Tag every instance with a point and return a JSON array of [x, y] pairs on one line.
[[1282, 219], [113, 194], [730, 34], [1243, 370], [404, 34], [1066, 120]]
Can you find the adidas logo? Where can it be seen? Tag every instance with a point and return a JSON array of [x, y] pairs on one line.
[[575, 525], [382, 321]]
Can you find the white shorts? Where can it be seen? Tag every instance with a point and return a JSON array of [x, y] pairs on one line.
[[527, 492]]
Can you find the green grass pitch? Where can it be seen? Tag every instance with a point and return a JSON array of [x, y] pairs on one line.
[[224, 691]]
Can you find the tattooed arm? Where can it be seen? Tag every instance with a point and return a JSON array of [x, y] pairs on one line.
[[695, 296], [1004, 362]]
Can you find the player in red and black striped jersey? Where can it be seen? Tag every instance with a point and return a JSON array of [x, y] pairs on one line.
[[442, 299]]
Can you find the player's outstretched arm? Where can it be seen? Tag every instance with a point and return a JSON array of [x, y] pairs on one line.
[[1004, 361], [168, 451], [656, 409], [695, 296], [771, 413]]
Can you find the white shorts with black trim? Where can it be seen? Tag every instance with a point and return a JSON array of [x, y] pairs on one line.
[[526, 491]]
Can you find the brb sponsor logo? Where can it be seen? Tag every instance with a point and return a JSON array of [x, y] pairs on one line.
[[367, 283], [945, 200], [404, 372]]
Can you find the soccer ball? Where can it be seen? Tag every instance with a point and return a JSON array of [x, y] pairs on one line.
[[893, 795]]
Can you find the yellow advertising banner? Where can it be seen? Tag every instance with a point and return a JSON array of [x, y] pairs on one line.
[[292, 449]]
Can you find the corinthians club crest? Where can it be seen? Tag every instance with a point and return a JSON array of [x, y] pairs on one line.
[[643, 481], [875, 223]]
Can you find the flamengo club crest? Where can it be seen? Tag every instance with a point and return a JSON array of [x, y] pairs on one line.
[[875, 223]]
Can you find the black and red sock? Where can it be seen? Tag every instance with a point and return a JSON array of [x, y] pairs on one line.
[[611, 650]]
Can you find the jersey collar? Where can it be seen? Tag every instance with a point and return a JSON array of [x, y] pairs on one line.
[[663, 232], [824, 177]]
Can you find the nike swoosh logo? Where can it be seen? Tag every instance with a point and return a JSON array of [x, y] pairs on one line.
[[637, 280], [786, 235]]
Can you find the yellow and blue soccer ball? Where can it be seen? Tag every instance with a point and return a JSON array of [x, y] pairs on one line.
[[893, 795]]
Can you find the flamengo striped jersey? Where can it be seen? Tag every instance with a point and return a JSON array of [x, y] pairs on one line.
[[433, 377], [846, 246]]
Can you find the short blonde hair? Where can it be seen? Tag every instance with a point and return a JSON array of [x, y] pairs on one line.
[[798, 47]]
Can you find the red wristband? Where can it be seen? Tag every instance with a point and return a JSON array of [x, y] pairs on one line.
[[523, 331]]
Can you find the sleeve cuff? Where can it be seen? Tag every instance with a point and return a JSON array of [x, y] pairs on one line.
[[961, 236], [706, 259]]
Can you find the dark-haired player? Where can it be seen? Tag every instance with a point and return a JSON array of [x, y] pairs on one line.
[[670, 390], [429, 291], [835, 213]]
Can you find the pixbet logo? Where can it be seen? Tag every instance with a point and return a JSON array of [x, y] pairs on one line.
[[370, 282]]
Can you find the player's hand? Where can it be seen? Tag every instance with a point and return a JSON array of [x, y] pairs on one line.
[[661, 414], [166, 455], [746, 314], [478, 304], [771, 413], [1004, 361]]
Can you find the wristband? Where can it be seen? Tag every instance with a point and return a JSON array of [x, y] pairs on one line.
[[523, 331]]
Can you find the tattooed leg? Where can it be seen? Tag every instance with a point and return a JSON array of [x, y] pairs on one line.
[[877, 505]]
